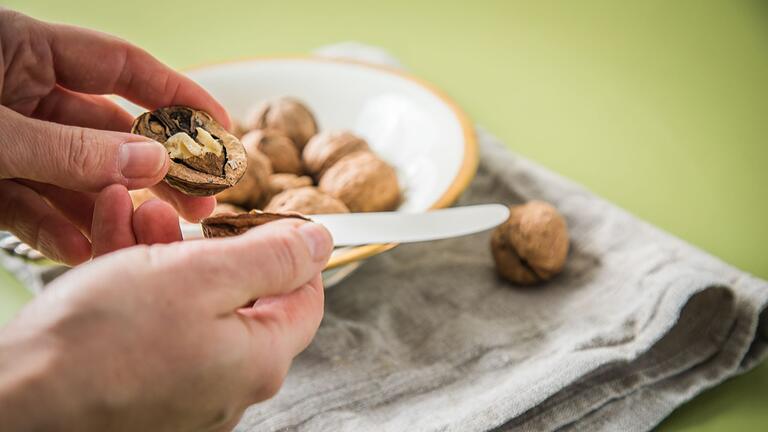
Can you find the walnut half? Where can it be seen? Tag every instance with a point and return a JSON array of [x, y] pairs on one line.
[[205, 158], [231, 224]]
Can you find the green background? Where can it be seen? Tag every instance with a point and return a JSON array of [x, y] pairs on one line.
[[658, 106]]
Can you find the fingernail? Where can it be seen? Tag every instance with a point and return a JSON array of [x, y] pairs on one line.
[[317, 239], [141, 159]]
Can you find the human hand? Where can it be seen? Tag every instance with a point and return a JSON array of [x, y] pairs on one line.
[[159, 337], [62, 142]]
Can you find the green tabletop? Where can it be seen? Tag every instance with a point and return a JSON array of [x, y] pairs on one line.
[[658, 106]]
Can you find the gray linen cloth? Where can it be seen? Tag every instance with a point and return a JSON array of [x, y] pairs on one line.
[[427, 338]]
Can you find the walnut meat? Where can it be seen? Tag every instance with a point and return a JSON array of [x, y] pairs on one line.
[[306, 200], [205, 158], [277, 147], [532, 245], [253, 189], [282, 182], [227, 225], [287, 115], [327, 148], [363, 182]]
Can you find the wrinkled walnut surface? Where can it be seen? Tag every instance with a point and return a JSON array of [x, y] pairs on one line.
[[277, 147], [253, 190], [205, 158], [283, 182], [532, 245], [287, 115], [327, 148], [306, 200], [363, 182], [227, 225]]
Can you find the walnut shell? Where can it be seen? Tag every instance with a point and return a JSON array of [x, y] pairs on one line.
[[206, 172], [282, 182], [277, 147], [327, 148], [238, 129], [253, 189], [532, 245], [363, 182], [305, 200], [225, 208], [287, 115], [227, 225]]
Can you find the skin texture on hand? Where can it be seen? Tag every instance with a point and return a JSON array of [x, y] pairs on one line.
[[62, 141], [161, 335]]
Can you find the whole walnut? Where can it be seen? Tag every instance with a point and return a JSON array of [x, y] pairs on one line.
[[306, 200], [281, 182], [238, 129], [225, 208], [253, 189], [532, 245], [287, 115], [327, 148], [363, 182], [277, 147]]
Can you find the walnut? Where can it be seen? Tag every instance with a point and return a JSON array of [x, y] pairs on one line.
[[227, 225], [532, 245], [363, 182], [225, 208], [281, 182], [253, 189], [327, 148], [238, 129], [205, 158], [277, 147], [140, 196], [287, 115], [305, 200]]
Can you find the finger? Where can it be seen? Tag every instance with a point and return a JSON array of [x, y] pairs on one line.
[[77, 109], [29, 217], [75, 206], [112, 221], [293, 317], [191, 208], [156, 222], [93, 62], [76, 158]]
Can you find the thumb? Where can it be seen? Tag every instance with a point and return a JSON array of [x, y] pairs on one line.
[[77, 158]]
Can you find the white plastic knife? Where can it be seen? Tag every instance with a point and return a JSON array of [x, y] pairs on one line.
[[354, 229]]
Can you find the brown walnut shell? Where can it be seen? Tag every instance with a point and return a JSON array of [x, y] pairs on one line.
[[253, 190], [227, 225], [277, 147], [327, 148], [225, 208], [287, 115], [363, 182], [282, 182], [532, 245], [306, 200], [203, 175]]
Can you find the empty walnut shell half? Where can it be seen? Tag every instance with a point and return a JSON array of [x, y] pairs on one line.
[[287, 115], [363, 182], [205, 158], [327, 148], [306, 200], [253, 189], [283, 182], [227, 225], [532, 245], [277, 147]]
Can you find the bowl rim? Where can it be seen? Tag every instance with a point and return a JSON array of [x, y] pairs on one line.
[[460, 182]]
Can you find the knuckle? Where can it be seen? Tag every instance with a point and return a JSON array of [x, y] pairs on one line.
[[285, 251], [85, 156]]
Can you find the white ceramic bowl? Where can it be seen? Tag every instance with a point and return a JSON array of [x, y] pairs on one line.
[[416, 128]]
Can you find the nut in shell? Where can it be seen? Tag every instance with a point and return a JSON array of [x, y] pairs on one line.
[[306, 200], [364, 182], [532, 245], [228, 225], [282, 182], [253, 189], [205, 158], [327, 148], [287, 115], [277, 147]]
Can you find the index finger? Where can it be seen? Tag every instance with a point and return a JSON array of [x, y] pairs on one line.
[[93, 62]]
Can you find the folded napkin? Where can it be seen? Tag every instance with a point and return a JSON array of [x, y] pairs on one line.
[[426, 337]]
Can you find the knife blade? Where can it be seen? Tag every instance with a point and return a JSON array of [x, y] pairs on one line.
[[354, 229]]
